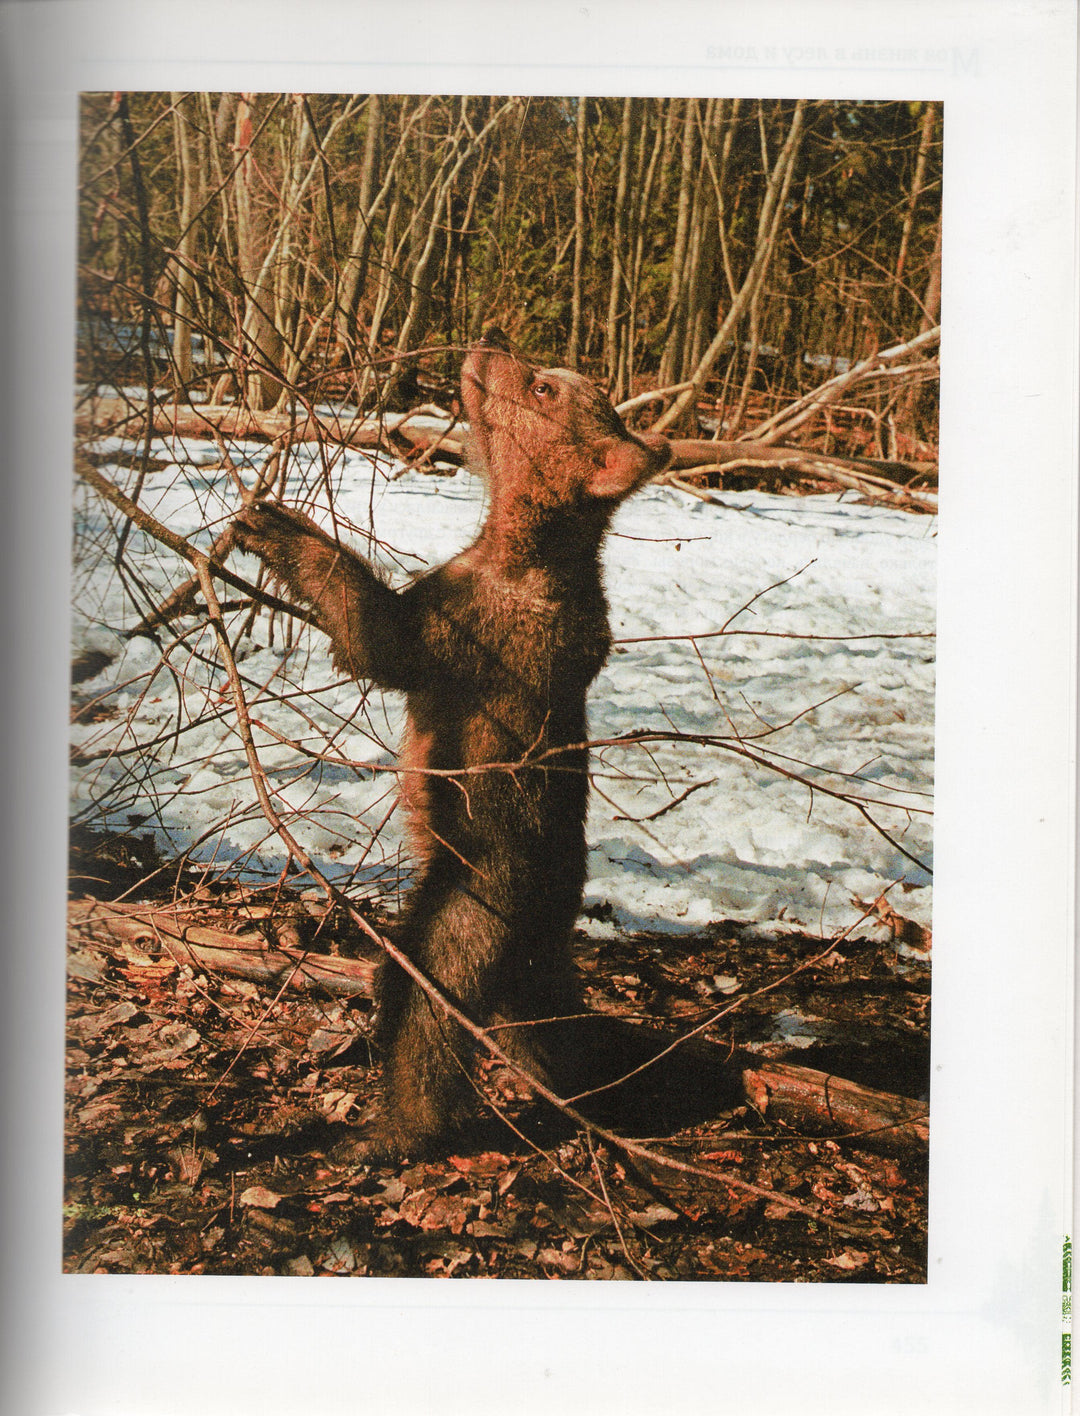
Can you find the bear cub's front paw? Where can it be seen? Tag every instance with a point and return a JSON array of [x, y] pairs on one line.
[[263, 526]]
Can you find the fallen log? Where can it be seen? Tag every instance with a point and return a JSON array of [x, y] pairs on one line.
[[120, 416], [173, 930], [394, 433], [816, 1103], [700, 452], [816, 467]]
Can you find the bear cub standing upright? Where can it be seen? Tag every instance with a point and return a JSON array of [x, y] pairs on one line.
[[495, 651]]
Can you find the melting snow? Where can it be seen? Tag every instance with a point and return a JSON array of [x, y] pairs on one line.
[[846, 713]]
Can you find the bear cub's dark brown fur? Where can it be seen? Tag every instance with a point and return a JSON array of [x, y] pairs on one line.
[[495, 652]]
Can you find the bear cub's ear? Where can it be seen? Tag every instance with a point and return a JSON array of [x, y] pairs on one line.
[[629, 462]]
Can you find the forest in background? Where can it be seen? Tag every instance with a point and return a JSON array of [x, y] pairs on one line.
[[281, 250]]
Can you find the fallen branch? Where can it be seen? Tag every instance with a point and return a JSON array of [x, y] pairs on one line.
[[810, 1101], [672, 479], [118, 417], [654, 395], [170, 930], [816, 466], [699, 453]]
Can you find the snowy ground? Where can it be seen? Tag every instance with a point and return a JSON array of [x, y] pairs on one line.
[[745, 843]]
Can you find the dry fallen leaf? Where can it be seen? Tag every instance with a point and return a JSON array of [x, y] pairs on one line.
[[259, 1197], [849, 1259]]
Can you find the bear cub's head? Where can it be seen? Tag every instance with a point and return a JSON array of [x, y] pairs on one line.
[[549, 435]]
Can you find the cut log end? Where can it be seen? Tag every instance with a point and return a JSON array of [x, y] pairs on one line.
[[818, 1104]]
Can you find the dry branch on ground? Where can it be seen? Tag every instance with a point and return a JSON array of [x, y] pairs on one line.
[[182, 933]]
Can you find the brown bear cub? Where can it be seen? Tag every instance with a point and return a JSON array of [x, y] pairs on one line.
[[495, 652]]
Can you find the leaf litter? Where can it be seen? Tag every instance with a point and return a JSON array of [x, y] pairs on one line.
[[207, 1130]]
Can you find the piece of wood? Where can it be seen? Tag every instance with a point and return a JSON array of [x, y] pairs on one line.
[[121, 417], [655, 395], [173, 930], [689, 453], [795, 465], [816, 1103]]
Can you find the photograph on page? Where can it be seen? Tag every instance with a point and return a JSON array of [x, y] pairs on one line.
[[504, 605]]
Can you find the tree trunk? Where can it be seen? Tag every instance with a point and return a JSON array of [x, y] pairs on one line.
[[185, 251], [932, 298], [354, 277], [617, 293], [573, 348], [701, 259], [443, 181], [364, 229], [926, 135], [640, 219], [170, 931], [673, 107], [672, 360], [772, 211], [262, 342], [462, 295], [289, 299], [383, 294]]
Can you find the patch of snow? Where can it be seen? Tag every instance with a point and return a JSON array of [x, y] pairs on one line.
[[745, 841], [791, 1029]]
